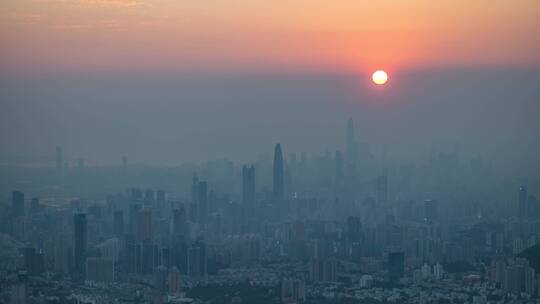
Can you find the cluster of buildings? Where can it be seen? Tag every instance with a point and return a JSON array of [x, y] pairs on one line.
[[335, 229]]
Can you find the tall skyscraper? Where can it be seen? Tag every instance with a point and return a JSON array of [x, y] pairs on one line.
[[100, 269], [195, 190], [203, 202], [179, 221], [382, 189], [34, 205], [354, 228], [133, 211], [124, 163], [351, 143], [149, 195], [340, 173], [431, 210], [293, 290], [118, 223], [248, 185], [80, 243], [522, 202], [174, 283], [197, 260], [144, 225], [17, 203], [279, 186], [59, 157], [396, 265], [161, 196]]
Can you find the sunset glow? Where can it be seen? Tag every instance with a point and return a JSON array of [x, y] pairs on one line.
[[167, 35]]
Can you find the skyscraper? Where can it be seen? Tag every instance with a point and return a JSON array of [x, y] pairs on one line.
[[174, 283], [133, 211], [248, 185], [340, 174], [161, 196], [382, 189], [203, 202], [58, 157], [179, 225], [197, 260], [17, 203], [118, 223], [279, 187], [195, 190], [431, 210], [34, 205], [144, 225], [522, 202], [100, 270], [149, 195], [396, 265], [351, 143], [124, 163], [80, 243]]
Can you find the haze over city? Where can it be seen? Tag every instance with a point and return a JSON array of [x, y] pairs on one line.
[[269, 151]]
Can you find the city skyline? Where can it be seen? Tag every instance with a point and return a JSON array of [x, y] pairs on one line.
[[269, 152]]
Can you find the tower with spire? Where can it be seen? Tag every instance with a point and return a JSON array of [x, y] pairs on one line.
[[351, 142], [278, 186]]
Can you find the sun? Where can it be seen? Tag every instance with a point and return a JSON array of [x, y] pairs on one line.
[[379, 77]]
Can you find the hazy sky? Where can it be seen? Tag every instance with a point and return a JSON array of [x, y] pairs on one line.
[[165, 81], [171, 35]]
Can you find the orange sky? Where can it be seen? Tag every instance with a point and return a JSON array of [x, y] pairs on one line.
[[173, 35]]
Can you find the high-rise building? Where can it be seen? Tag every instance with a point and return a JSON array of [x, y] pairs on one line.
[[29, 254], [160, 279], [340, 171], [133, 211], [382, 189], [179, 256], [351, 143], [124, 163], [130, 252], [80, 243], [144, 225], [202, 207], [431, 210], [279, 186], [396, 265], [59, 158], [293, 290], [17, 203], [146, 261], [196, 260], [179, 222], [160, 196], [248, 185], [136, 193], [34, 205], [118, 223], [149, 195], [100, 270], [195, 190], [522, 202], [19, 293], [323, 270], [174, 282], [354, 228]]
